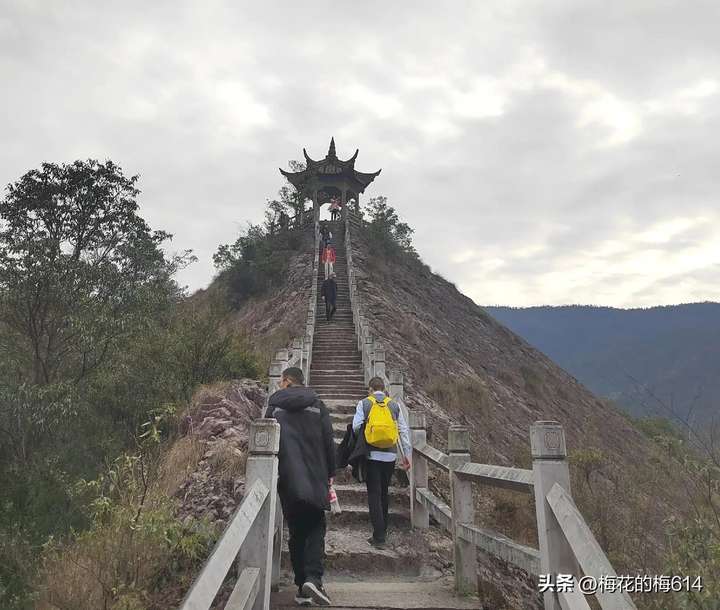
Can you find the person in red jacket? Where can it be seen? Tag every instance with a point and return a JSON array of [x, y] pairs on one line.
[[328, 258]]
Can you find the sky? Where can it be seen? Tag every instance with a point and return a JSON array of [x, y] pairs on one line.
[[545, 152]]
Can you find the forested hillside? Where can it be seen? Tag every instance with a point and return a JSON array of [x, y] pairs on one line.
[[119, 423], [660, 361]]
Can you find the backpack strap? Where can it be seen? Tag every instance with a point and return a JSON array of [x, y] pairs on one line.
[[367, 405]]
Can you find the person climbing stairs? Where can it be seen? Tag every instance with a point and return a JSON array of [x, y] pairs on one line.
[[412, 570]]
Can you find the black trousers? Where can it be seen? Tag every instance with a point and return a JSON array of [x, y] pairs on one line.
[[378, 481], [307, 545], [329, 309]]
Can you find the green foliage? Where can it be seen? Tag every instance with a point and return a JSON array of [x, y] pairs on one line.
[[694, 542], [78, 267], [133, 548], [95, 340], [257, 261], [386, 233]]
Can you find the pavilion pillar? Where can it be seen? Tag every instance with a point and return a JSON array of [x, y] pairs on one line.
[[316, 206]]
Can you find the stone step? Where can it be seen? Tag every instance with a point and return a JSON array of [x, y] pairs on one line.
[[429, 590], [347, 550], [356, 494], [345, 388], [341, 418], [358, 515], [333, 395], [341, 406]]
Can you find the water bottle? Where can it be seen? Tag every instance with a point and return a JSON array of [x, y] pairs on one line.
[[333, 499]]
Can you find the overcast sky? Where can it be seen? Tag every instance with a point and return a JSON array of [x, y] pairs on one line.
[[545, 152]]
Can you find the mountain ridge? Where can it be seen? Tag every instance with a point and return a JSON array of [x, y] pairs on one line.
[[657, 361]]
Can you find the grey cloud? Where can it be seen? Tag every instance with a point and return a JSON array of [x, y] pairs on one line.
[[143, 84]]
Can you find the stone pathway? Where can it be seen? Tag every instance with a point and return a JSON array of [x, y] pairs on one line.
[[413, 570]]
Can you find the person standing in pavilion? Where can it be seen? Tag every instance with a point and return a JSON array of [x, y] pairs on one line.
[[334, 209]]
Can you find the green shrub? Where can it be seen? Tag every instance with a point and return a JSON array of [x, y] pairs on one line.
[[255, 262], [134, 548]]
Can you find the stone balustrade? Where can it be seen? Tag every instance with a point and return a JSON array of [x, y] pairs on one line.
[[567, 546], [299, 353], [253, 536]]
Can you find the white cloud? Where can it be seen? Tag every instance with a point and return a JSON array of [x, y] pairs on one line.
[[544, 152]]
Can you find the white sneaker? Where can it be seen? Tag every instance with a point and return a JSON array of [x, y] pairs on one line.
[[302, 599], [316, 593]]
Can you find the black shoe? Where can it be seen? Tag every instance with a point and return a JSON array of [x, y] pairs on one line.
[[378, 544], [301, 599], [316, 593]]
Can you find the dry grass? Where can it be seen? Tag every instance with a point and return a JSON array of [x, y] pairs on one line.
[[226, 461], [179, 462], [136, 546]]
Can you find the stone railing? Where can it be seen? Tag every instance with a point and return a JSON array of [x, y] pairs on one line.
[[299, 353], [247, 538], [253, 538], [372, 350], [567, 546]]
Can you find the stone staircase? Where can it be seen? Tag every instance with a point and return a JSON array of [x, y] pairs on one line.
[[358, 575]]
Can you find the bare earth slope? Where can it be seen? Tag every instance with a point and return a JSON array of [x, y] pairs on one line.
[[462, 366]]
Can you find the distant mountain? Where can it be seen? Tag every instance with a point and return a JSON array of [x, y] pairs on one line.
[[650, 361]]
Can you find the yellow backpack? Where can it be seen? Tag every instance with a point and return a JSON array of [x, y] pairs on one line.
[[381, 430]]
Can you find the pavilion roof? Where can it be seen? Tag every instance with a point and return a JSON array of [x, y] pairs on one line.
[[331, 170]]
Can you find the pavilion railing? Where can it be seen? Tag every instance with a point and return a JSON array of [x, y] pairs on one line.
[[247, 539]]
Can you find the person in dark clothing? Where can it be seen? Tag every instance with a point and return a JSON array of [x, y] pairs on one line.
[[324, 232], [328, 291], [306, 469]]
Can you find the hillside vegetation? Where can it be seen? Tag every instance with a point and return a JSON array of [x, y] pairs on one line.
[[101, 354], [660, 361]]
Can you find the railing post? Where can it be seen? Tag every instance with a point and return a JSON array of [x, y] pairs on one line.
[[276, 369], [283, 355], [277, 548], [262, 463], [419, 514], [397, 385], [297, 351], [547, 443], [307, 355], [463, 510], [367, 350], [378, 368]]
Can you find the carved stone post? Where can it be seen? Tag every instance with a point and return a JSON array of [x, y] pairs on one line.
[[274, 374], [283, 355], [277, 548], [297, 351], [547, 443], [463, 510], [262, 463], [378, 367], [307, 355], [397, 385], [419, 515], [367, 355]]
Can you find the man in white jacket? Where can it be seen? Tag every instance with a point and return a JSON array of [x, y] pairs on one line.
[[381, 462]]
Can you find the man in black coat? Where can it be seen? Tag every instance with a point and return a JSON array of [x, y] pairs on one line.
[[328, 291], [305, 471]]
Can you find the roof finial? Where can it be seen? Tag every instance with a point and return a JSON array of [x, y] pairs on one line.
[[331, 150]]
